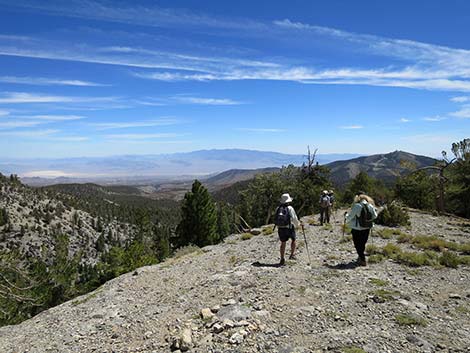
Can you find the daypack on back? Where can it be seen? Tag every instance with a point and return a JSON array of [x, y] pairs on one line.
[[366, 218], [325, 201], [282, 217]]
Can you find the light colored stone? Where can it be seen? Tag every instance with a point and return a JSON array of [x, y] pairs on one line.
[[206, 314], [186, 340]]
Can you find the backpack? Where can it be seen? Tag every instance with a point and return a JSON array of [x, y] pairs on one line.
[[366, 218], [325, 201], [282, 217]]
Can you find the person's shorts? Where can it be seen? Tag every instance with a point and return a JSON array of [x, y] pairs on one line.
[[286, 233]]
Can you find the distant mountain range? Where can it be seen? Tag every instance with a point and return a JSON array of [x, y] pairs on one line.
[[146, 169]]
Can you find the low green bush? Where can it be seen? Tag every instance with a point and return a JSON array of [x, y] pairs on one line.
[[449, 259], [391, 250], [393, 216], [246, 236], [375, 259]]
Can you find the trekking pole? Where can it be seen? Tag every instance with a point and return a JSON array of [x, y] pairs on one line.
[[344, 226], [306, 244]]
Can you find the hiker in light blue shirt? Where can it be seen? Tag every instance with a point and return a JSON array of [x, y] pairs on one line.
[[360, 220]]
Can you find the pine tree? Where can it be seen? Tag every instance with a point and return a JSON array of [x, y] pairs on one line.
[[198, 224], [223, 225]]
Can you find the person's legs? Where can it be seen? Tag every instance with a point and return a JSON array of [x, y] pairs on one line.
[[360, 238], [282, 251], [322, 215], [327, 215], [292, 249]]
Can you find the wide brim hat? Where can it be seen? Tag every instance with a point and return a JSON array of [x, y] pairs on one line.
[[285, 198], [325, 192]]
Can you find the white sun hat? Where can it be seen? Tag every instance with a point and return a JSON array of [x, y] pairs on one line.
[[285, 198]]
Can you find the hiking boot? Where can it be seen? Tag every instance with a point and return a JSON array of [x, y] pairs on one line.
[[361, 262], [292, 257], [282, 262]]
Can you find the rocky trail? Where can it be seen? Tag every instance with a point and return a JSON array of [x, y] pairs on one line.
[[232, 298]]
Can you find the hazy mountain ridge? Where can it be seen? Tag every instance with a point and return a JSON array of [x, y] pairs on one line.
[[141, 169], [385, 167]]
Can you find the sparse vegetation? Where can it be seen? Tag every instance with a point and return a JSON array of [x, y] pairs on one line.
[[378, 282], [246, 236], [410, 320], [384, 295], [430, 257], [353, 350], [186, 250]]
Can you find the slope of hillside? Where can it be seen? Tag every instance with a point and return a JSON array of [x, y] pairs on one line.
[[233, 176], [36, 218], [232, 298], [385, 167]]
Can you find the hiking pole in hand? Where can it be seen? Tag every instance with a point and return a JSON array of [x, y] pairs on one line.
[[306, 244], [344, 225]]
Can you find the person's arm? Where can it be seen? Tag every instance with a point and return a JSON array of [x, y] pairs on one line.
[[374, 211], [355, 211], [293, 217]]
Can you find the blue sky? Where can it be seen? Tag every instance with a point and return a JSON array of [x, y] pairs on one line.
[[98, 78]]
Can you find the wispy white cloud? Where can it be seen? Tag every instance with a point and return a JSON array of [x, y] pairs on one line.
[[205, 101], [143, 136], [460, 99], [23, 97], [405, 120], [150, 15], [29, 133], [135, 124], [261, 130], [50, 118], [351, 127], [13, 124], [4, 113], [462, 113], [41, 81], [186, 99], [71, 138], [421, 65], [434, 118]]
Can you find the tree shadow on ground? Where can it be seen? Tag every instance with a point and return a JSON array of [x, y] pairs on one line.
[[343, 266], [261, 264]]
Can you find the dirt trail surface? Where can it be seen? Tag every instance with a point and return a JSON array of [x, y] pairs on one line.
[[232, 298]]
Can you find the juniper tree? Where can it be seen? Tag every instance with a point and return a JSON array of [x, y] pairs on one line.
[[198, 224]]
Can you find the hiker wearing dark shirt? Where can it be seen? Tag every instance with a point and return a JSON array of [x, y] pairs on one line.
[[286, 221], [324, 207]]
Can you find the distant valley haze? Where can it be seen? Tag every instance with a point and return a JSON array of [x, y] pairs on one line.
[[132, 168]]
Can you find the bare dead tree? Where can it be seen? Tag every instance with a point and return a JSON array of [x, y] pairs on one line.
[[310, 159]]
